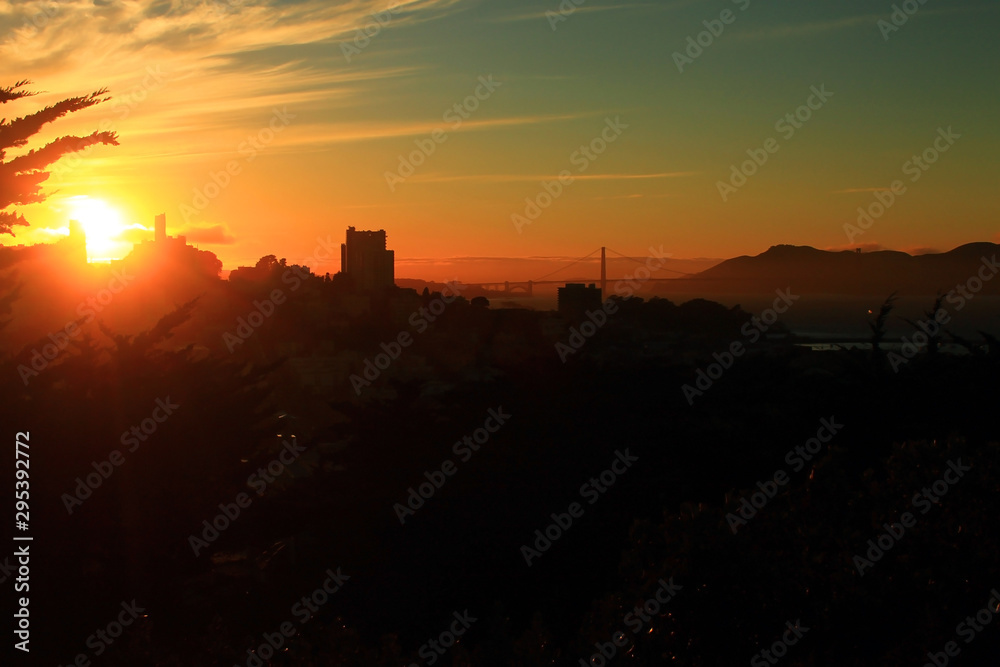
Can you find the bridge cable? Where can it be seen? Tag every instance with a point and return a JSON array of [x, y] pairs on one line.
[[567, 266]]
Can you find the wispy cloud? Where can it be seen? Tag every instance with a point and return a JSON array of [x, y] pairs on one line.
[[345, 132], [849, 191], [208, 234], [632, 196], [304, 137], [542, 14], [810, 28], [221, 61], [532, 178]]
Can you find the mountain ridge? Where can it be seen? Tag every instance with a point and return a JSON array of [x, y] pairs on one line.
[[880, 272]]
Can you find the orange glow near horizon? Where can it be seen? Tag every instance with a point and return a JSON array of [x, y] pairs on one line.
[[255, 133]]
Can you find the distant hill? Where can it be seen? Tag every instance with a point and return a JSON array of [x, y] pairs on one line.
[[808, 270]]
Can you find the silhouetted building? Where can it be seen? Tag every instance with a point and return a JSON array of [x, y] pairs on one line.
[[76, 243], [266, 268], [364, 258], [161, 228], [576, 298], [160, 237], [164, 251]]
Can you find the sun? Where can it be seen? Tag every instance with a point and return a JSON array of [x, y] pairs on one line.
[[102, 223]]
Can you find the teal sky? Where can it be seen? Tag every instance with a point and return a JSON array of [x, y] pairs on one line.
[[227, 67]]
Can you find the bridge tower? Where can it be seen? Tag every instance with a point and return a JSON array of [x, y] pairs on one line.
[[604, 274]]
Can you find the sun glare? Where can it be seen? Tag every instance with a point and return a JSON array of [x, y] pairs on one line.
[[102, 224]]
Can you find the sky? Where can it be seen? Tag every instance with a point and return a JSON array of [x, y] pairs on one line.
[[269, 126]]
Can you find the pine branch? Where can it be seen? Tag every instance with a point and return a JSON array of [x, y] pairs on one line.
[[11, 93], [50, 153], [15, 133]]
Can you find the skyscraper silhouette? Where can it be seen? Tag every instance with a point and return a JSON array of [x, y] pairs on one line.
[[365, 259]]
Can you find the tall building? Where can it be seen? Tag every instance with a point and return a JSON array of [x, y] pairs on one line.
[[576, 299], [364, 258], [160, 231], [77, 242], [161, 228]]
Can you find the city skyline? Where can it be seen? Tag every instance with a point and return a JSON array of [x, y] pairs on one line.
[[500, 332], [247, 132]]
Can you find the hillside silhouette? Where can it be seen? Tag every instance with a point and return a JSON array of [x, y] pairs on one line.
[[882, 272]]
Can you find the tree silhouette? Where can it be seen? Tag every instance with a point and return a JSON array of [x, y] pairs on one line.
[[21, 177], [933, 340], [878, 327]]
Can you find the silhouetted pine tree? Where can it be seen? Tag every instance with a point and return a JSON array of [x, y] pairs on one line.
[[21, 177]]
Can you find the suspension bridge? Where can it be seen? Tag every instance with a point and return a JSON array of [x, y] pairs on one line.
[[525, 288]]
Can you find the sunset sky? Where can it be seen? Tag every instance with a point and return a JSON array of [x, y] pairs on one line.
[[193, 80]]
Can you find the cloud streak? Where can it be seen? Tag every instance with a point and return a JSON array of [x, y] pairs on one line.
[[222, 59], [532, 178]]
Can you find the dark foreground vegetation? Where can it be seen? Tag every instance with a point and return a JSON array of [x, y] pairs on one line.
[[669, 517]]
